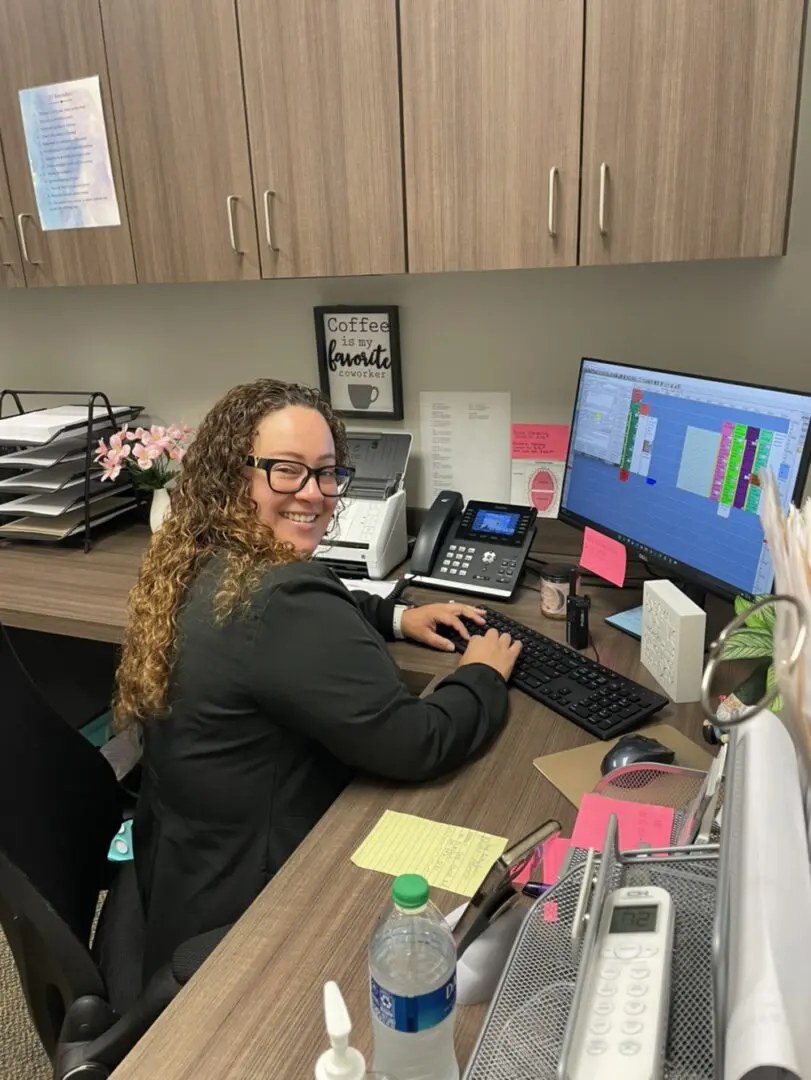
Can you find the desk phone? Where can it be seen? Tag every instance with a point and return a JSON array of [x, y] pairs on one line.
[[478, 549]]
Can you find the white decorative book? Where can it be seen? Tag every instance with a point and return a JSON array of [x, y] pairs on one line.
[[673, 630]]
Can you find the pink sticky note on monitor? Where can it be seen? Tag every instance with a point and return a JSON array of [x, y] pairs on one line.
[[604, 556], [640, 824], [542, 442]]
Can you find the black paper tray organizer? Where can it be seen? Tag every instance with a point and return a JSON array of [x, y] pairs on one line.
[[50, 485]]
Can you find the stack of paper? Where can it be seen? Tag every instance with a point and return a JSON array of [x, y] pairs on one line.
[[52, 504], [47, 466], [63, 448], [59, 477], [62, 526], [789, 540], [41, 425]]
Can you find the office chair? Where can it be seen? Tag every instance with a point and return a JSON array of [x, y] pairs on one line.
[[60, 806]]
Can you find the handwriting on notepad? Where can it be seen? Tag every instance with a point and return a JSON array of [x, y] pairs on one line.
[[640, 824], [447, 856]]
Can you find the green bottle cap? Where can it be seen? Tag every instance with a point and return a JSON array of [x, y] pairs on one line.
[[410, 891]]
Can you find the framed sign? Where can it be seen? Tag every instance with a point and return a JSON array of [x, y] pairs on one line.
[[359, 360]]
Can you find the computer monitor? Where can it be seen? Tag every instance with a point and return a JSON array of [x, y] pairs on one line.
[[668, 464]]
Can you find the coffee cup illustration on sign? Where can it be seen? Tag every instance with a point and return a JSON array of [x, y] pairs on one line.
[[362, 395]]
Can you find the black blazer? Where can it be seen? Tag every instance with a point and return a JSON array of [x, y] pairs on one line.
[[271, 714]]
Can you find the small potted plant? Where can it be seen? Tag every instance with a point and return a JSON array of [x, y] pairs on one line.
[[151, 457], [754, 641]]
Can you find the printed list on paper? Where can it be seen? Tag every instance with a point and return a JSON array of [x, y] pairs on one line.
[[448, 856], [69, 155], [466, 444]]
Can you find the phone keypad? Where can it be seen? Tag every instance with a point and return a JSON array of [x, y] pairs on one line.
[[479, 563]]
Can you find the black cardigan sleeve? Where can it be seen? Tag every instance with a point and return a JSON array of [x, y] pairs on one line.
[[321, 669], [377, 610]]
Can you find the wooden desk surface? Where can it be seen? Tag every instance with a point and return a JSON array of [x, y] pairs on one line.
[[254, 1011], [62, 590]]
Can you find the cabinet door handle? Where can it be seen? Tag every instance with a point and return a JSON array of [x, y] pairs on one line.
[[268, 195], [23, 242], [232, 229], [550, 225], [3, 262], [603, 185]]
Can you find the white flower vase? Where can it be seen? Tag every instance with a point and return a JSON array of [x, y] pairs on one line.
[[159, 509]]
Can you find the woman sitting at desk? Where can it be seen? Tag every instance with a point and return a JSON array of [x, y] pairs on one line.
[[261, 683]]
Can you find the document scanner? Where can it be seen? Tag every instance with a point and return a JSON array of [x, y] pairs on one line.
[[367, 537]]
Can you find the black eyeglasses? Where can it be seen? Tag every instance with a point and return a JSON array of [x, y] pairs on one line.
[[289, 477]]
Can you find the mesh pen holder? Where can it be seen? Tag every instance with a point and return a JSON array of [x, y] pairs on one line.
[[526, 1033]]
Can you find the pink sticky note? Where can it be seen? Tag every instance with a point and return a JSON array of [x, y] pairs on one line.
[[604, 556], [640, 824], [549, 856], [550, 911], [555, 851], [529, 867], [545, 442]]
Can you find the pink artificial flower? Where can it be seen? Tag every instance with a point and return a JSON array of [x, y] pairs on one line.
[[111, 471], [101, 450], [145, 455], [117, 439]]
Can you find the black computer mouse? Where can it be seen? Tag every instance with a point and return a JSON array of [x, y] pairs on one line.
[[631, 749]]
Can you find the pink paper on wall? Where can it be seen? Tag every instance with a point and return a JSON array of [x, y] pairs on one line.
[[540, 442]]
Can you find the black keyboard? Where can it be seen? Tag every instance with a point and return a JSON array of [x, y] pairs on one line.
[[594, 697]]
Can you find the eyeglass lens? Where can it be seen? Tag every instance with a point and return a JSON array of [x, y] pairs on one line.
[[288, 477]]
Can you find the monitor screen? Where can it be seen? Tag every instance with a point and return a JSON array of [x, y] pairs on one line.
[[669, 465]]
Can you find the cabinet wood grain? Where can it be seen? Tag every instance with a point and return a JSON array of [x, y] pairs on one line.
[[321, 86], [491, 104], [177, 89], [689, 112], [11, 267], [43, 42]]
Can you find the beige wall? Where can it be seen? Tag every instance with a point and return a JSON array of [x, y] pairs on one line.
[[176, 348]]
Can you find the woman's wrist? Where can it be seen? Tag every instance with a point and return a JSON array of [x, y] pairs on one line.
[[397, 621]]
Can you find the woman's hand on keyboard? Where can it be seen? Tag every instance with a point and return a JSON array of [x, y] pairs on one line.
[[497, 650]]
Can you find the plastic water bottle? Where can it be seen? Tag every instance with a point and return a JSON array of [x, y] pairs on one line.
[[412, 967]]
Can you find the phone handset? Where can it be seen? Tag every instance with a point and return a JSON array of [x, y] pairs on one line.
[[445, 511]]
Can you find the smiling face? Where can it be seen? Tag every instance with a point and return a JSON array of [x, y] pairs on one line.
[[294, 433]]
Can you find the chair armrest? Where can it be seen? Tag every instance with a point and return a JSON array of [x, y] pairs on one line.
[[109, 1048]]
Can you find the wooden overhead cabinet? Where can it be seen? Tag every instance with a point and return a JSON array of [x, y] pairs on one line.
[[321, 87], [178, 98], [492, 93], [689, 119], [43, 42], [11, 267]]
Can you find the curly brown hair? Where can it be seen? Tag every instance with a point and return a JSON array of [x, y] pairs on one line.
[[212, 513]]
